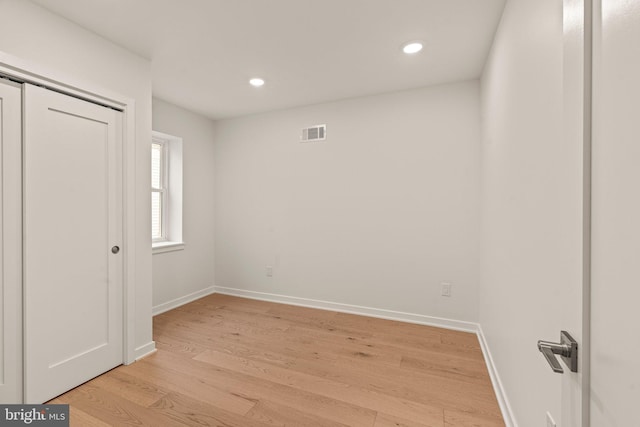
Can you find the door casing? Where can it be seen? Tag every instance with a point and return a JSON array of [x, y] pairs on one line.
[[577, 28], [11, 387]]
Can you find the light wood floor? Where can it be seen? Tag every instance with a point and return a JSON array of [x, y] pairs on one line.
[[227, 361]]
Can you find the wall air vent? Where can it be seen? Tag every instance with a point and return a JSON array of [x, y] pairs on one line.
[[314, 133]]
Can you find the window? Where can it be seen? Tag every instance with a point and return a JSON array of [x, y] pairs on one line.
[[166, 193], [159, 193]]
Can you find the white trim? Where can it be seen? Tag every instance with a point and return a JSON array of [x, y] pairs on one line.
[[172, 194], [37, 74], [145, 350], [170, 305], [456, 325], [164, 137], [129, 228], [501, 395], [163, 188], [11, 301], [162, 247]]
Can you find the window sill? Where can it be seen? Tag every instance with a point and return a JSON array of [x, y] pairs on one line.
[[162, 247]]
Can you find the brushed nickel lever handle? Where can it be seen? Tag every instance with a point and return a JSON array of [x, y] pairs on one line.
[[567, 349], [548, 352]]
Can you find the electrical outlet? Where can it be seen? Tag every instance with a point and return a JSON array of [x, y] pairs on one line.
[[269, 271], [550, 422], [445, 289]]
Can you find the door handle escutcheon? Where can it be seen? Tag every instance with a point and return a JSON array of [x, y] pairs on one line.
[[567, 349]]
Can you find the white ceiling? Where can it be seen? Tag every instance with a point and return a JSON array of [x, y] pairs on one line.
[[203, 52]]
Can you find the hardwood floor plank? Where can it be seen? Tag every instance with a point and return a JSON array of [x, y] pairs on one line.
[[376, 325], [192, 323], [179, 345], [279, 415], [296, 313], [78, 417], [250, 321], [82, 419], [192, 386], [428, 343], [292, 348], [448, 367], [228, 361], [464, 419], [183, 410], [138, 391], [113, 409], [355, 395], [461, 339], [221, 301], [386, 420], [419, 387], [256, 389], [398, 383]]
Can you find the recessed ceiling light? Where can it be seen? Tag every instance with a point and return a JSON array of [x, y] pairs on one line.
[[256, 82], [412, 47]]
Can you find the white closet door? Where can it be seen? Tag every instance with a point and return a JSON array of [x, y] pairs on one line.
[[72, 227], [10, 243]]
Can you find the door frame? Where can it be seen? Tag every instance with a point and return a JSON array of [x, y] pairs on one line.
[[587, 127], [29, 72], [577, 98], [11, 361]]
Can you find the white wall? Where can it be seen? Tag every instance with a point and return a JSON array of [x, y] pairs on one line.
[[377, 215], [182, 273], [35, 35], [615, 320], [531, 206]]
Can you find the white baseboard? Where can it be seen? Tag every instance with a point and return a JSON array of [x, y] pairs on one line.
[[503, 401], [170, 305], [145, 350], [420, 319]]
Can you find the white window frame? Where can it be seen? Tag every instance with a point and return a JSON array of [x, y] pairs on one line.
[[171, 181], [163, 190]]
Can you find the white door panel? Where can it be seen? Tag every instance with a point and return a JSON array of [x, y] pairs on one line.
[[615, 323], [11, 240], [72, 219]]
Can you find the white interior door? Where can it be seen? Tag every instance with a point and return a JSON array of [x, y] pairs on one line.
[[73, 321], [615, 320], [10, 243]]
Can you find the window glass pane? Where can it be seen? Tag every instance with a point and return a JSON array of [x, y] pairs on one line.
[[156, 215], [156, 165]]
